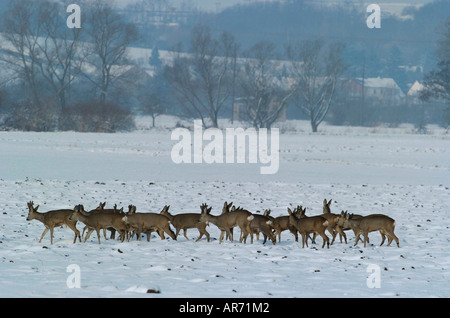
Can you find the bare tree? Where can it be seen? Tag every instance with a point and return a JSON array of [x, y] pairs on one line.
[[60, 49], [151, 104], [21, 28], [109, 36], [40, 46], [203, 79], [263, 90], [316, 74]]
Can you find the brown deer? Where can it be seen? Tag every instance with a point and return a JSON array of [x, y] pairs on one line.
[[281, 223], [148, 222], [98, 221], [228, 220], [262, 224], [185, 221], [101, 209], [52, 219], [374, 222], [306, 225], [332, 219], [344, 226]]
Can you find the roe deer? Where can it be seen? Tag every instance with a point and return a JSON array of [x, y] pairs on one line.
[[281, 223], [148, 222], [263, 224], [101, 209], [344, 225], [332, 219], [51, 219], [186, 221], [98, 221], [374, 222], [312, 224], [228, 220]]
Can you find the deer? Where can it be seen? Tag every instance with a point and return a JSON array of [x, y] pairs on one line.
[[305, 225], [332, 219], [263, 224], [97, 221], [373, 222], [281, 223], [344, 226], [52, 219], [227, 220], [148, 222], [185, 221], [101, 206], [101, 209]]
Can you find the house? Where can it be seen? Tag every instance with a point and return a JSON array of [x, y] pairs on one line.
[[384, 90], [414, 92]]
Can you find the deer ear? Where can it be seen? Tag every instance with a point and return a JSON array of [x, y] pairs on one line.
[[209, 210], [324, 201], [289, 211], [36, 208], [329, 202]]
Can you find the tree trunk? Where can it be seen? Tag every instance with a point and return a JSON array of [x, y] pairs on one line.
[[314, 125]]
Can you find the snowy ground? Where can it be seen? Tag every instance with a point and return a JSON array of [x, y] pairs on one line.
[[373, 170]]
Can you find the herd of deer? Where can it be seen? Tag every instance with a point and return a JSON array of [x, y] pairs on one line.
[[128, 224]]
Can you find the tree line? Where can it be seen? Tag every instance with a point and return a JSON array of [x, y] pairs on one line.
[[56, 78]]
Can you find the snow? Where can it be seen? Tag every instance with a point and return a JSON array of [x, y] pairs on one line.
[[364, 170]]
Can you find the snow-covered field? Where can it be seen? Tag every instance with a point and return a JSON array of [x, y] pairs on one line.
[[364, 170]]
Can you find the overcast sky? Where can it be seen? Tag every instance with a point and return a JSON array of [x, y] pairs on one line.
[[218, 5]]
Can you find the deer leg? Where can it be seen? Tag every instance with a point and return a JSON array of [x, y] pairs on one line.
[[358, 237], [98, 235], [383, 238], [313, 239], [366, 235], [341, 233], [51, 235], [325, 239], [202, 232], [84, 229], [77, 233], [185, 232], [304, 239], [222, 233], [393, 236], [333, 233], [88, 234], [43, 234]]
